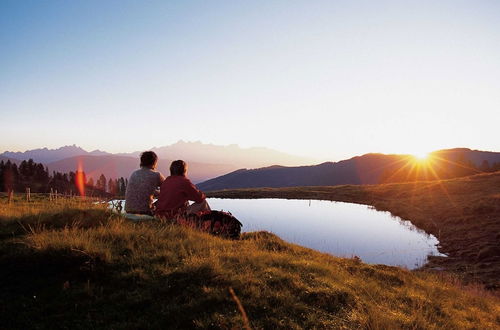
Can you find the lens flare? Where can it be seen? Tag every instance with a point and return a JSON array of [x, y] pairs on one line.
[[80, 179]]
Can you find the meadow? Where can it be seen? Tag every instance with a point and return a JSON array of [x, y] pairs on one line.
[[75, 264], [463, 213]]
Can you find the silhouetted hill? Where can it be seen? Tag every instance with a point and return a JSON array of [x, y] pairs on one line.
[[44, 155], [12, 160], [366, 169], [122, 166], [475, 156]]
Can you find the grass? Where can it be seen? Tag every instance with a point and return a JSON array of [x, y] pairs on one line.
[[463, 213], [76, 265]]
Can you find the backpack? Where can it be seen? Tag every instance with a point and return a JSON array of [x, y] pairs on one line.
[[217, 223]]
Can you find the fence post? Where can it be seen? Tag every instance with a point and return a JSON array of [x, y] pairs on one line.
[[28, 195], [11, 195], [51, 195]]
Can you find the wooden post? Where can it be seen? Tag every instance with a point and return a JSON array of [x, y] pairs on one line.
[[51, 195], [56, 196], [10, 193], [28, 195]]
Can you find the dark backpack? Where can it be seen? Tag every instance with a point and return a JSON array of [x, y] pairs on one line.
[[215, 222]]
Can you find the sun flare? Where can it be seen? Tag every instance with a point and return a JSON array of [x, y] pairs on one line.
[[421, 156]]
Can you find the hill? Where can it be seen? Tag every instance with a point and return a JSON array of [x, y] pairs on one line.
[[122, 166], [366, 169], [82, 267]]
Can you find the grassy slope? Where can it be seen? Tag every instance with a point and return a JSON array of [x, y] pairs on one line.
[[463, 213], [79, 266]]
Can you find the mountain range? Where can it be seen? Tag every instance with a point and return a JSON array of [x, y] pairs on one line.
[[205, 160], [113, 166], [45, 155], [231, 154], [215, 167], [366, 169]]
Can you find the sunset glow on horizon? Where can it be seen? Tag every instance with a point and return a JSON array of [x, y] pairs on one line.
[[328, 80]]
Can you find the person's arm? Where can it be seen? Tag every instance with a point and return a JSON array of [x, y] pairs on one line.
[[161, 178], [193, 194], [156, 193]]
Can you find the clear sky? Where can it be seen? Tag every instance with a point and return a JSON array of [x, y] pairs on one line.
[[328, 79]]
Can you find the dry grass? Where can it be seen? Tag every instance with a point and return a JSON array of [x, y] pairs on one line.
[[89, 268], [463, 213]]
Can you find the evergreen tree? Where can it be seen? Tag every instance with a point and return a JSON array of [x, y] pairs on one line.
[[101, 183], [111, 187], [122, 186]]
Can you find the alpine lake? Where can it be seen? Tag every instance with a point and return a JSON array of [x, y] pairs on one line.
[[340, 229]]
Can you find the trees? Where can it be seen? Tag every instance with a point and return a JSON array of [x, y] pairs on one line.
[[9, 176], [101, 183], [112, 187], [36, 176], [122, 186]]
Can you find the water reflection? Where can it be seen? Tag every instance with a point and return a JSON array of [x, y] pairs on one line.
[[341, 229]]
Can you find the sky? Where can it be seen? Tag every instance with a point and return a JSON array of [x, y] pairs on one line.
[[323, 79]]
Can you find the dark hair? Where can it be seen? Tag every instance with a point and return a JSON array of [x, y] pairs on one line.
[[178, 167], [148, 159]]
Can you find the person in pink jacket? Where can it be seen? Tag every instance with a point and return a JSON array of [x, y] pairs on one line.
[[176, 192]]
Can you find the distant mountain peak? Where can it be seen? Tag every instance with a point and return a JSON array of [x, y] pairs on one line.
[[46, 155], [252, 157], [190, 151]]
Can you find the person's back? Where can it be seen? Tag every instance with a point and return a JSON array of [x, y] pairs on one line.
[[176, 191], [143, 185]]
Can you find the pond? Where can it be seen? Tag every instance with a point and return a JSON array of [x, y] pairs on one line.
[[340, 229]]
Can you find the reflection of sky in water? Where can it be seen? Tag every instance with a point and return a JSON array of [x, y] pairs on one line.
[[342, 229]]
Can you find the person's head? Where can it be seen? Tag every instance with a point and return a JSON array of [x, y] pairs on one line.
[[149, 159], [178, 167]]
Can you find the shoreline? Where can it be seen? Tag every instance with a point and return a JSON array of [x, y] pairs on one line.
[[463, 214]]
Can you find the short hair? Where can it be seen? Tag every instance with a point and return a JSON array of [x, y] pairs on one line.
[[178, 167], [148, 158]]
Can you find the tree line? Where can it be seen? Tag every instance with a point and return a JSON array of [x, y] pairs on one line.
[[36, 176]]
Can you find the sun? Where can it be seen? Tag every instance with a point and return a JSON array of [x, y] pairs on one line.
[[421, 156]]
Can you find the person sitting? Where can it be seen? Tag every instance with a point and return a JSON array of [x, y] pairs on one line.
[[176, 191], [143, 185]]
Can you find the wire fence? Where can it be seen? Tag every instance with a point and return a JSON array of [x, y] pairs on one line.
[[54, 196]]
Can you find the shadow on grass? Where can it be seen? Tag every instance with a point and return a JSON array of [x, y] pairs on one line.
[[71, 289], [12, 226]]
